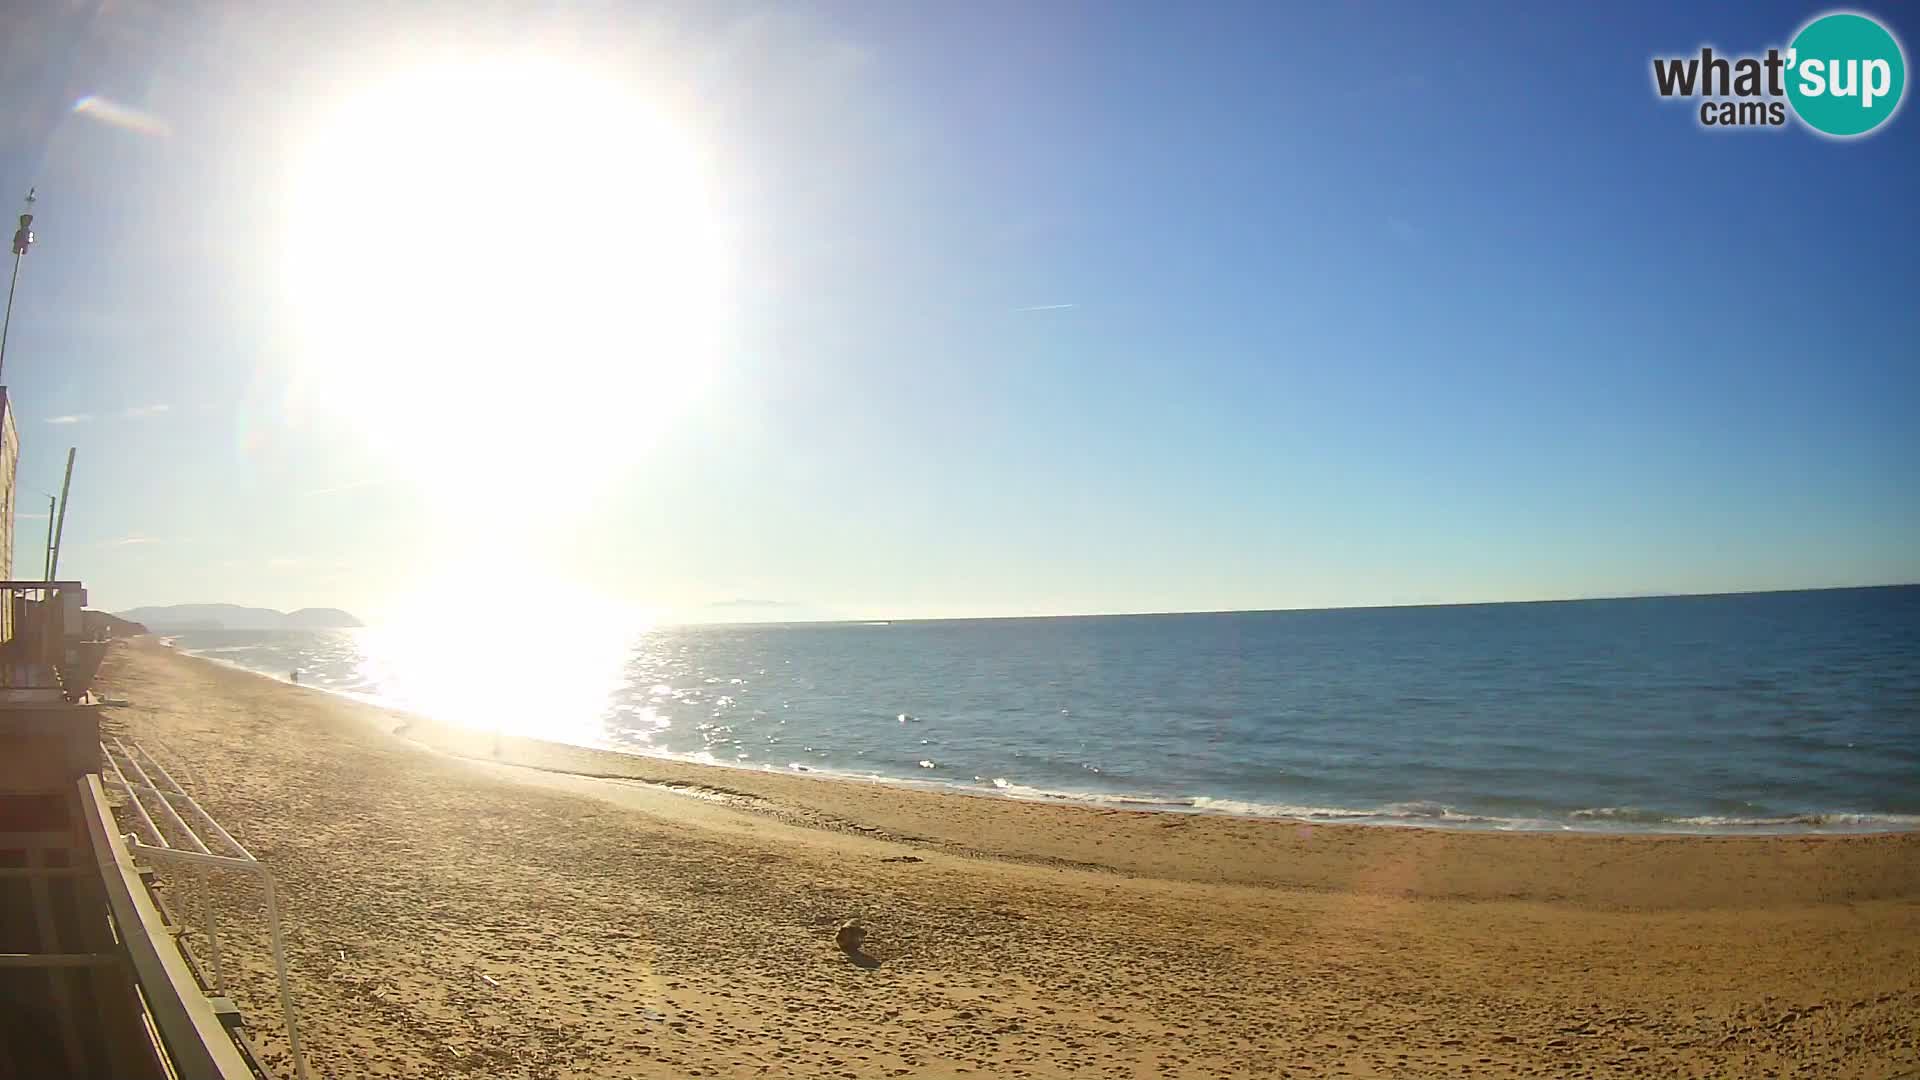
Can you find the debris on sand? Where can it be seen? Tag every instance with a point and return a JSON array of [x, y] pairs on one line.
[[851, 939]]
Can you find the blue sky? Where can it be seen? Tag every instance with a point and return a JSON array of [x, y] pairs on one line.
[[1032, 309]]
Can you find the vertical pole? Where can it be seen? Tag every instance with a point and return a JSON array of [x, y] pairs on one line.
[[60, 528], [7, 323], [22, 240], [274, 941], [46, 561], [211, 922]]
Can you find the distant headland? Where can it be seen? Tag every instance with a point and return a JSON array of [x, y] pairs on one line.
[[176, 617]]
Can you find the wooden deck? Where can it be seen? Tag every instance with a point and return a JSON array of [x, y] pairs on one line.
[[93, 981]]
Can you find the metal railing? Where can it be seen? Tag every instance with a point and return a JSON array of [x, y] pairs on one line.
[[151, 792]]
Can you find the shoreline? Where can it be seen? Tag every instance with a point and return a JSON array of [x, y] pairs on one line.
[[1570, 866], [1597, 821], [562, 913]]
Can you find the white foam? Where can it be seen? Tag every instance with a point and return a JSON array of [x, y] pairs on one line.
[[1839, 822], [1242, 808], [1414, 813]]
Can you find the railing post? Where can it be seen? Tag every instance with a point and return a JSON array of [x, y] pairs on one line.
[[212, 923], [280, 969], [203, 862]]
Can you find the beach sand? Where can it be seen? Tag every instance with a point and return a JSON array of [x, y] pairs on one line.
[[559, 912]]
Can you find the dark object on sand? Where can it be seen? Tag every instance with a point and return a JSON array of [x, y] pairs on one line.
[[849, 939]]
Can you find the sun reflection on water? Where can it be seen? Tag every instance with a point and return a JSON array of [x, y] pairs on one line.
[[547, 665]]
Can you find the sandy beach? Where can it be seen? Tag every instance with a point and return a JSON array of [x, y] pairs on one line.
[[461, 908]]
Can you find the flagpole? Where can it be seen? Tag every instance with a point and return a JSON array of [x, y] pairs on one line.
[[22, 240]]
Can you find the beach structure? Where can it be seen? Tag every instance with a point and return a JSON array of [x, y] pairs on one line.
[[95, 981]]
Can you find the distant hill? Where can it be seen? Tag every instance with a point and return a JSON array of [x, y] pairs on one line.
[[321, 618], [99, 626], [175, 617]]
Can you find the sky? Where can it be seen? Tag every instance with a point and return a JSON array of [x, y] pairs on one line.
[[912, 310]]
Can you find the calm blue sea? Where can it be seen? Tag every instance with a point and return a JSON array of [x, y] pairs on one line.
[[1778, 711]]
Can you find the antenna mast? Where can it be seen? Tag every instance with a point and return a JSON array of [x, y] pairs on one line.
[[22, 240]]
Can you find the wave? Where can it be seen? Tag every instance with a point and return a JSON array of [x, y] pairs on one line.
[[1623, 814], [1828, 820], [219, 649], [220, 656], [1439, 815], [1835, 821], [1423, 812]]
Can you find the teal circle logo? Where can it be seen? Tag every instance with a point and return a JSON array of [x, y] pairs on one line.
[[1845, 74]]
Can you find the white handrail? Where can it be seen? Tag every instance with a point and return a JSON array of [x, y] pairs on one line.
[[200, 856], [207, 915], [206, 819]]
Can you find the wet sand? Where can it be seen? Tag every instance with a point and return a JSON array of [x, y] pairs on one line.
[[556, 912]]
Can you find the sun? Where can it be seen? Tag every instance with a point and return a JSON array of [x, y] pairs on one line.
[[503, 269]]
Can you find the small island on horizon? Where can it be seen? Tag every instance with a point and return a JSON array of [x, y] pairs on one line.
[[176, 617]]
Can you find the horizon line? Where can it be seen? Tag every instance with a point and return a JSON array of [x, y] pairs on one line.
[[851, 620], [858, 620]]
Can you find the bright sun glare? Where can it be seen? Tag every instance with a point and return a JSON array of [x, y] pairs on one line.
[[440, 654], [499, 261]]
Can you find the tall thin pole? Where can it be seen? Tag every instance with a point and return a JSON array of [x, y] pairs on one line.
[[22, 240], [60, 527], [7, 323], [46, 562]]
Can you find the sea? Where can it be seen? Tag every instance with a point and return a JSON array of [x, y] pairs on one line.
[[1766, 712]]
